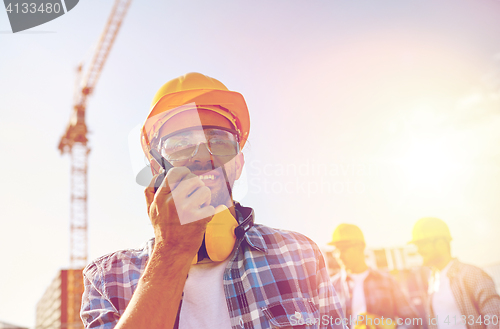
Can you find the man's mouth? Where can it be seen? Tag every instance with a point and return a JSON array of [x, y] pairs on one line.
[[206, 177], [209, 178]]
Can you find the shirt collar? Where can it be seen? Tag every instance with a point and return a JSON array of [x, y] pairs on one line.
[[253, 237]]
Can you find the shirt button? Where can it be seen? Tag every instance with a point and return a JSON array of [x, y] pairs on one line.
[[298, 315], [242, 324]]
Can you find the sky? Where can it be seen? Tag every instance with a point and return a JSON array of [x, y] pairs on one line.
[[375, 113]]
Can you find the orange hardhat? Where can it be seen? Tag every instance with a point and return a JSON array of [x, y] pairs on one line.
[[347, 233], [429, 228], [195, 91]]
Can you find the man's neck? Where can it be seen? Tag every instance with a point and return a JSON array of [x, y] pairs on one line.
[[233, 211], [443, 262], [230, 205]]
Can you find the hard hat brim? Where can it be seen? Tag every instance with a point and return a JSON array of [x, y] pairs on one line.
[[346, 242], [233, 104], [431, 238]]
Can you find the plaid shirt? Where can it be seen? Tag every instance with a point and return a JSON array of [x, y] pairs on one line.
[[274, 278], [383, 296], [475, 293]]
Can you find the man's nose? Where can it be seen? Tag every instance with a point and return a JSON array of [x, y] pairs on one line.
[[202, 154]]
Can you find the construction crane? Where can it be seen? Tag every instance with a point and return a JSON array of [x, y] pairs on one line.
[[74, 141]]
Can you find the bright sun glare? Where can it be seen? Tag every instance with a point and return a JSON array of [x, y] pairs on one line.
[[431, 160], [429, 164]]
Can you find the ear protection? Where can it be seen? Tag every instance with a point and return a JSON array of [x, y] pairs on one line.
[[220, 235]]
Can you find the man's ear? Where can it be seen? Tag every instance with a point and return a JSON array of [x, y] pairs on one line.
[[239, 162]]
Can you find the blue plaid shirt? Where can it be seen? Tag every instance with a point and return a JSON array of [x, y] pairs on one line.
[[274, 278]]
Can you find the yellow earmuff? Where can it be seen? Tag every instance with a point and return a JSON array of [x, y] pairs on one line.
[[219, 235]]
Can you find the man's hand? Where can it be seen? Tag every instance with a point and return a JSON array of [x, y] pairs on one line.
[[155, 302], [182, 198]]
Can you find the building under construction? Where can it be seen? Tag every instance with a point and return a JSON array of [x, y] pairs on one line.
[[59, 307]]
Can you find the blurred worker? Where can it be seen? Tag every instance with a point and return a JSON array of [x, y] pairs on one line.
[[367, 292], [461, 296], [208, 266]]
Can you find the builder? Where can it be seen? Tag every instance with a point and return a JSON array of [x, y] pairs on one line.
[[196, 273], [368, 295], [461, 296]]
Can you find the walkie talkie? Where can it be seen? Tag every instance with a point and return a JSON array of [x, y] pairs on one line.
[[164, 164]]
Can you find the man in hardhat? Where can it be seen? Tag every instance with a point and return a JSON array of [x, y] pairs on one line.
[[203, 270], [367, 294], [461, 296]]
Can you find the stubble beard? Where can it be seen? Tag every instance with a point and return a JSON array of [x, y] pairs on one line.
[[222, 195]]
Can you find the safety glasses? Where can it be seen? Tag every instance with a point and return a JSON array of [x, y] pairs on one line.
[[184, 144]]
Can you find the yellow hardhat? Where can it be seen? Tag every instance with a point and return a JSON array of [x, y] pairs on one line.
[[190, 91], [347, 233], [430, 228]]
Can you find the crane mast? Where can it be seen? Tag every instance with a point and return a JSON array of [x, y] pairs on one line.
[[74, 141]]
